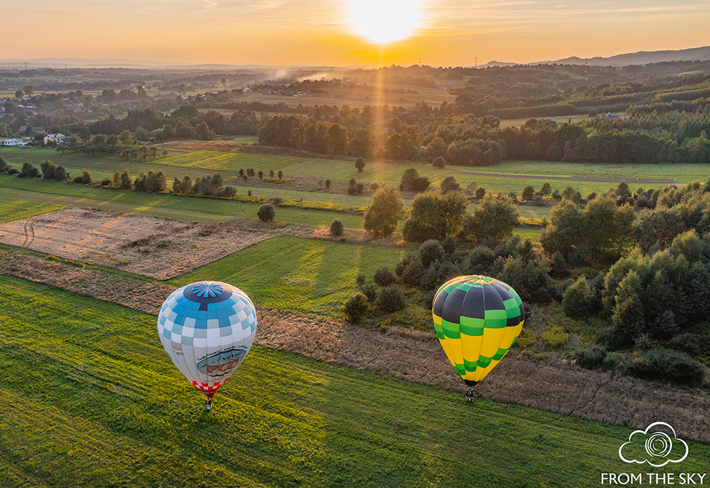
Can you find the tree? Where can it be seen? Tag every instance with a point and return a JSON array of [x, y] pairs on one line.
[[546, 189], [86, 178], [280, 174], [383, 213], [266, 213], [480, 193], [390, 299], [28, 170], [440, 162], [261, 175], [271, 173], [411, 181], [528, 193], [355, 307], [19, 94], [494, 219], [126, 182], [449, 184], [360, 164], [29, 90], [327, 184], [336, 227]]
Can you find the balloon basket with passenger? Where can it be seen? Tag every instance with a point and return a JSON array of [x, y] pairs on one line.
[[477, 320]]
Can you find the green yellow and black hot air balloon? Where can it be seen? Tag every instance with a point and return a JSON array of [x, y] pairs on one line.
[[477, 320]]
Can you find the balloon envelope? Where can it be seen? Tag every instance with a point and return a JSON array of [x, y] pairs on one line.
[[477, 320], [207, 329]]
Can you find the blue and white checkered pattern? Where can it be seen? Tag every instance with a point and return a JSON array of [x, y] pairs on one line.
[[193, 325]]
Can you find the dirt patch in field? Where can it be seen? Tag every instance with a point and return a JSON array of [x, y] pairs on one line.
[[415, 356], [148, 246], [235, 147]]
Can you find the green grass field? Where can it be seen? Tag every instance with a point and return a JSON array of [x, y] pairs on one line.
[[167, 206], [200, 163], [89, 398], [301, 275], [11, 209]]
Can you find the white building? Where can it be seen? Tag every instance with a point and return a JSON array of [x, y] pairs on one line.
[[53, 138], [12, 142]]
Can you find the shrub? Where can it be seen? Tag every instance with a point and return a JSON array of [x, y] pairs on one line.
[[384, 277], [360, 164], [440, 162], [336, 227], [266, 213], [538, 201], [399, 269], [413, 272], [12, 171], [277, 201], [666, 365], [528, 193], [3, 165], [559, 266], [439, 273], [360, 280], [360, 187], [590, 358], [480, 192], [79, 180], [374, 186], [578, 300], [370, 291], [554, 337], [230, 192], [86, 178], [352, 190], [556, 195], [355, 307], [431, 251], [578, 257], [688, 343], [352, 182], [327, 184], [481, 259], [449, 244], [390, 299], [106, 182], [449, 184], [271, 173], [29, 170], [280, 174]]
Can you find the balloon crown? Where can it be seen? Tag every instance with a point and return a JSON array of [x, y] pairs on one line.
[[206, 292], [480, 280], [207, 289]]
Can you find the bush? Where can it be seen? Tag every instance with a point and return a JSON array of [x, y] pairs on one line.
[[449, 184], [352, 190], [528, 193], [336, 227], [360, 280], [355, 307], [559, 266], [413, 272], [3, 165], [352, 182], [399, 269], [360, 164], [384, 277], [578, 300], [79, 180], [439, 273], [360, 187], [266, 213], [391, 299], [86, 178], [29, 170], [374, 186], [688, 343], [449, 244], [431, 251], [538, 201], [666, 365], [327, 184], [480, 260], [440, 162], [230, 192], [370, 291], [480, 192], [106, 182], [590, 358]]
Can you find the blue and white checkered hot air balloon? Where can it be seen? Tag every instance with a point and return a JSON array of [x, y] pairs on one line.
[[207, 329]]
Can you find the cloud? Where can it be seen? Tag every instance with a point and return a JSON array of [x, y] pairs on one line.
[[658, 445]]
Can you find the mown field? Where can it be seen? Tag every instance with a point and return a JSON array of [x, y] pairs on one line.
[[89, 398], [11, 209], [301, 275], [200, 163], [167, 206]]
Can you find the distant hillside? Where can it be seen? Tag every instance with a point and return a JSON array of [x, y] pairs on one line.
[[642, 57]]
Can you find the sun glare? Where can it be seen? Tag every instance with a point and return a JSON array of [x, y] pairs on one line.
[[383, 21]]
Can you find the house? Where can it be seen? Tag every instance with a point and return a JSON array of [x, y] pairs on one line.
[[12, 142], [53, 138], [611, 116]]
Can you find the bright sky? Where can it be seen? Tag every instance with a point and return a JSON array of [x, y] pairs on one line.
[[341, 32]]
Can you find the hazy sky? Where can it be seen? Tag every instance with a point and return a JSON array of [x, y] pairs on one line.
[[291, 32]]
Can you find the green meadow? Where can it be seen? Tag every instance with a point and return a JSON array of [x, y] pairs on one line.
[[89, 398], [11, 209], [167, 206], [302, 275]]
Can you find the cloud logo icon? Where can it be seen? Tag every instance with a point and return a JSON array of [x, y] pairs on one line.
[[658, 445]]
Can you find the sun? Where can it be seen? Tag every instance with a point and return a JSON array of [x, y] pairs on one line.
[[383, 21]]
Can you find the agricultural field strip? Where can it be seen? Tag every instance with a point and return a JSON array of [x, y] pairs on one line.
[[410, 355]]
